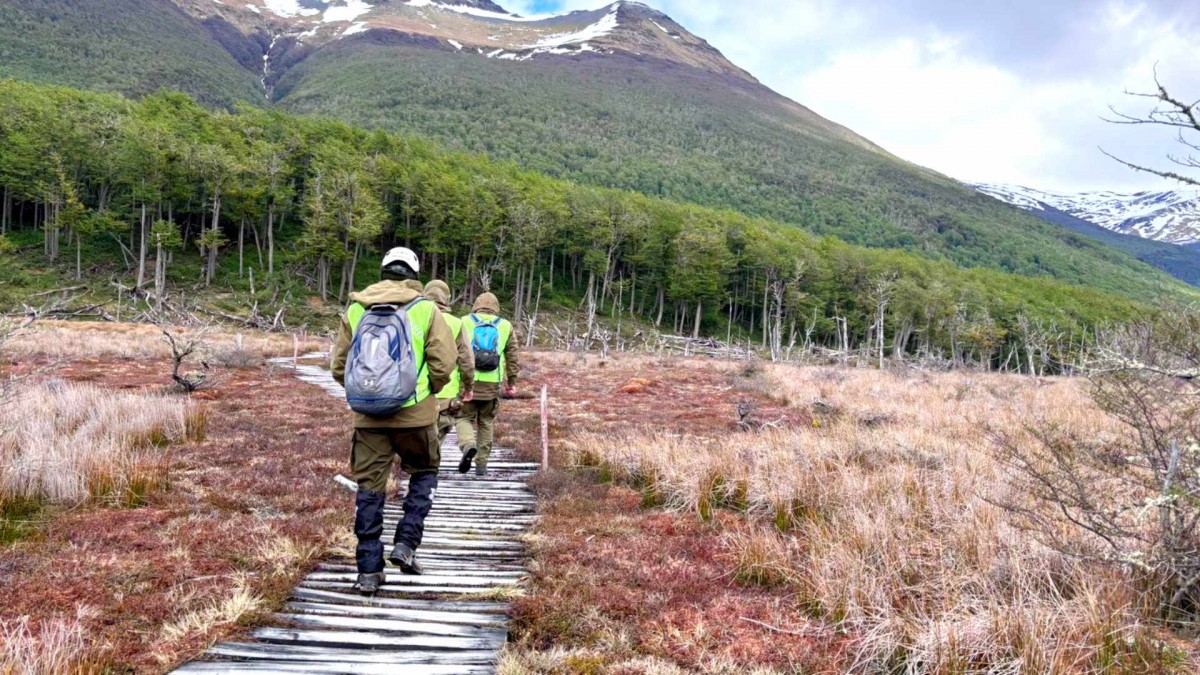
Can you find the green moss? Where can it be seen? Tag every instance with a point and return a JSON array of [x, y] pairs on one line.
[[20, 518]]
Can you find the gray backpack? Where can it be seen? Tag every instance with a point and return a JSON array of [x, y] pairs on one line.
[[381, 369]]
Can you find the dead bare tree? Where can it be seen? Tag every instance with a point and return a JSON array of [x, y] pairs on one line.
[[185, 345], [881, 295], [1136, 498], [1174, 113]]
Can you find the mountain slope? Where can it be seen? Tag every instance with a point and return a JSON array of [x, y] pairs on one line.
[[664, 129], [1172, 216], [133, 47], [623, 96], [1181, 262]]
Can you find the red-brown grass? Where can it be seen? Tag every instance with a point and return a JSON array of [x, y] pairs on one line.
[[866, 506]]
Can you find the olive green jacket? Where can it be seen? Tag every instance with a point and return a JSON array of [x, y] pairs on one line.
[[439, 293], [488, 306], [441, 355]]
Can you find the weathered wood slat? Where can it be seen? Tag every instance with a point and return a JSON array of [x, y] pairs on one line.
[[483, 573], [408, 589], [289, 667], [400, 603], [285, 652], [456, 618], [390, 626], [363, 639], [451, 565], [395, 578], [443, 551]]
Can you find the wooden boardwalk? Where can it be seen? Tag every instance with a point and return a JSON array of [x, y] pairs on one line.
[[450, 620]]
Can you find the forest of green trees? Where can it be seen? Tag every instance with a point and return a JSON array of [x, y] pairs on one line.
[[170, 198]]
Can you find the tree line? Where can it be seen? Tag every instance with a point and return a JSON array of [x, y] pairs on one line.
[[171, 194]]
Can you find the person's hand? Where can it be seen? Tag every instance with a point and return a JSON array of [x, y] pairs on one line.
[[468, 397], [510, 392]]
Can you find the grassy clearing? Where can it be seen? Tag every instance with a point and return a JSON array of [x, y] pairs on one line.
[[249, 505], [69, 340], [74, 443], [876, 522]]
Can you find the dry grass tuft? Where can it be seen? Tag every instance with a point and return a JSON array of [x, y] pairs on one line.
[[282, 555], [70, 443], [43, 648], [880, 519], [596, 661], [217, 612]]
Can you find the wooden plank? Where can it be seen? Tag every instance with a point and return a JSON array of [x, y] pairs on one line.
[[401, 603], [285, 652], [456, 618], [371, 640], [402, 627], [498, 528], [446, 552], [443, 506], [498, 574], [289, 667], [448, 518], [395, 578], [465, 543], [408, 590], [452, 565], [466, 535]]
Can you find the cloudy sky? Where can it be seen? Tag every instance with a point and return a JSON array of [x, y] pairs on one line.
[[1010, 92]]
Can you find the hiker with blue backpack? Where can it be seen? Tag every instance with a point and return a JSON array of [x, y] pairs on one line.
[[496, 365], [394, 352]]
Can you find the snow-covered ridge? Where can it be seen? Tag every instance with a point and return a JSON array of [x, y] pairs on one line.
[[603, 27], [475, 11], [1172, 216]]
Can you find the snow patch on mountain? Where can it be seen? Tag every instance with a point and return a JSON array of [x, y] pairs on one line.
[[1172, 216], [348, 12], [475, 11], [288, 9], [603, 27]]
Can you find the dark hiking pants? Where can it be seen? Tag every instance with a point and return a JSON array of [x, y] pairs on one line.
[[371, 458]]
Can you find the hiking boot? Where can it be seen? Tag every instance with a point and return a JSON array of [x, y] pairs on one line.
[[405, 558], [369, 582], [481, 469], [465, 465]]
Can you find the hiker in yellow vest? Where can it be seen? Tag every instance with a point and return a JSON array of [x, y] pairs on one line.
[[410, 433], [495, 348], [451, 397]]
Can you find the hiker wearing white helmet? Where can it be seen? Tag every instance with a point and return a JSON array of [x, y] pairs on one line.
[[394, 352]]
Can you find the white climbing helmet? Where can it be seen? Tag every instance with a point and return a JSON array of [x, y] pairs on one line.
[[404, 255]]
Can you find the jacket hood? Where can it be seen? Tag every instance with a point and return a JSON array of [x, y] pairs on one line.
[[439, 292], [388, 293], [486, 304]]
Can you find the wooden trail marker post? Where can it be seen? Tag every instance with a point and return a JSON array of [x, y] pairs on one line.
[[295, 352], [545, 427]]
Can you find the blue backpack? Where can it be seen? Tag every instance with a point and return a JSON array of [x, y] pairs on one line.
[[381, 368], [486, 344]]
